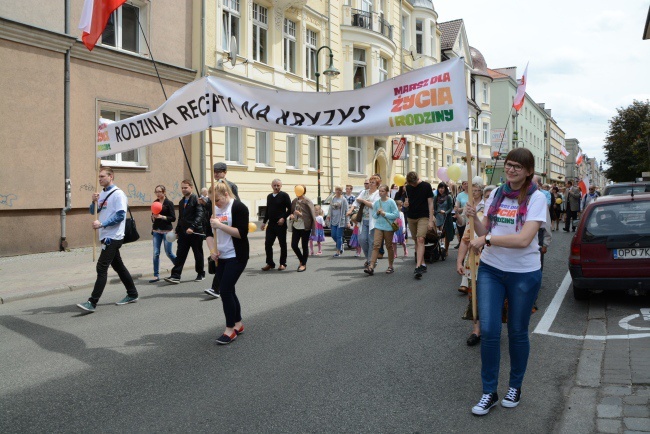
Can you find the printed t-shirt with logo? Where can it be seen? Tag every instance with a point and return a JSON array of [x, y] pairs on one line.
[[510, 259], [225, 245]]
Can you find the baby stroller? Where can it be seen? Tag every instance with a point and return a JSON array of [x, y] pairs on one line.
[[434, 247]]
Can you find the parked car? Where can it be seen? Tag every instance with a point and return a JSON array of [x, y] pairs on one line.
[[611, 248], [626, 188]]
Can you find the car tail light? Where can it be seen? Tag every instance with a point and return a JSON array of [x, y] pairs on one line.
[[574, 256]]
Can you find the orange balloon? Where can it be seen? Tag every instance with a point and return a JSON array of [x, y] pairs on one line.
[[156, 207], [300, 190], [252, 227]]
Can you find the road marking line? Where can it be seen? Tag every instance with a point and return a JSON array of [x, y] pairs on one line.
[[545, 323]]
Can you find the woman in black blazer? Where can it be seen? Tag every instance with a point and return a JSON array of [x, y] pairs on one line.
[[162, 224], [231, 251]]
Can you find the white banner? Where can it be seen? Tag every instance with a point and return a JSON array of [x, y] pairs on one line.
[[424, 101]]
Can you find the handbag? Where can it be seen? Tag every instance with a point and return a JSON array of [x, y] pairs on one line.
[[212, 265], [359, 215], [393, 225], [130, 230], [290, 225]]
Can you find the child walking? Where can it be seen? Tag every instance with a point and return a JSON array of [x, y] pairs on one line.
[[318, 233], [354, 239], [400, 235]]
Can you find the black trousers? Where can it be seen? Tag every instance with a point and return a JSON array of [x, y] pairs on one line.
[[273, 231], [301, 235], [461, 231], [185, 243], [227, 275], [110, 256], [570, 215]]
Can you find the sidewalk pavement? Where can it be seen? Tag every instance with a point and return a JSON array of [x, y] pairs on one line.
[[40, 274], [611, 392]]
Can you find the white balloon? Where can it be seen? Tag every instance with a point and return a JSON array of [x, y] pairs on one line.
[[463, 172], [477, 180], [170, 236]]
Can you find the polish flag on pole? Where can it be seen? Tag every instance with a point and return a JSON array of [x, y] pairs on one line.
[[564, 152], [579, 158], [521, 91], [94, 17], [584, 185]]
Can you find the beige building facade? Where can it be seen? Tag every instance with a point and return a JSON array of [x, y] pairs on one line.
[[48, 171]]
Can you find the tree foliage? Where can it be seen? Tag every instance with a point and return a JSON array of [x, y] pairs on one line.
[[627, 145]]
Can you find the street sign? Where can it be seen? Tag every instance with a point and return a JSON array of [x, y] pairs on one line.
[[398, 148], [489, 171]]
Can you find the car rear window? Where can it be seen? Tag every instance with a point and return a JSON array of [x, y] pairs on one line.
[[627, 218], [627, 189]]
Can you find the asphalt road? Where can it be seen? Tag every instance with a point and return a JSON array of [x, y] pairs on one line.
[[328, 350]]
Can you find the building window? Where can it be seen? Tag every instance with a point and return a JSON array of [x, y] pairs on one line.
[[486, 96], [230, 24], [448, 160], [122, 30], [133, 158], [233, 145], [260, 32], [289, 46], [313, 153], [416, 158], [405, 32], [262, 148], [355, 153], [359, 68], [486, 133], [434, 165], [419, 36], [383, 69], [293, 151], [432, 41], [311, 42], [427, 162]]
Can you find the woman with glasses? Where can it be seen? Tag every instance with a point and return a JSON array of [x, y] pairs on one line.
[[509, 269], [162, 224], [367, 198]]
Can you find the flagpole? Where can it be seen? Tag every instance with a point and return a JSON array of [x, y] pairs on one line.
[[187, 161], [500, 144], [470, 202], [214, 231]]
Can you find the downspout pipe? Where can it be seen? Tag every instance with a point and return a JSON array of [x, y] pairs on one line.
[[202, 134], [63, 245]]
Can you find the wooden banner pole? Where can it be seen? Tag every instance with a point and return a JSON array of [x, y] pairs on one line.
[[214, 231], [96, 216], [470, 201]]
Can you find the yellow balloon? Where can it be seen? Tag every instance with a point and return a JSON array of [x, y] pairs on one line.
[[399, 180], [558, 200], [300, 190], [454, 172], [252, 227]]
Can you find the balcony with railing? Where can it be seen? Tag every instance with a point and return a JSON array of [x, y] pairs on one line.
[[371, 21]]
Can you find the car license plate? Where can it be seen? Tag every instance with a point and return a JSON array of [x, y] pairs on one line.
[[643, 253]]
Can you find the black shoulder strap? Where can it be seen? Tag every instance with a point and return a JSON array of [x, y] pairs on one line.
[[106, 198]]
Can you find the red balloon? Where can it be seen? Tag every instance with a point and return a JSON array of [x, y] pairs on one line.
[[156, 207]]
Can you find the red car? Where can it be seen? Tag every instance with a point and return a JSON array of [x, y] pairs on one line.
[[611, 248]]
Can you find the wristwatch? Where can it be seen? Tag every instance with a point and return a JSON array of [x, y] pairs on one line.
[[488, 237]]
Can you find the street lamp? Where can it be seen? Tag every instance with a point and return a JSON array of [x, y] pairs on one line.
[[329, 72]]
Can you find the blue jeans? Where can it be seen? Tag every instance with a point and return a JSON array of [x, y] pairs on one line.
[[521, 289], [157, 239], [337, 236], [366, 238]]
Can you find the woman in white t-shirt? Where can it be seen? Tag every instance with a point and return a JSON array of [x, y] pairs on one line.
[[509, 269], [230, 219]]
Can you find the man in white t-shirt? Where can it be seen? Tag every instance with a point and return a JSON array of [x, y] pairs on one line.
[[111, 219]]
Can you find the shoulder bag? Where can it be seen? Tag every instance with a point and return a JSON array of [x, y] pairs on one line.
[[393, 225], [130, 230]]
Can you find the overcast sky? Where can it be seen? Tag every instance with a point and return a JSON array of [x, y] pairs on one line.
[[587, 58]]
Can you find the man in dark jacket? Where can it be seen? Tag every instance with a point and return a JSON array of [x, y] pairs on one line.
[[190, 231], [278, 208]]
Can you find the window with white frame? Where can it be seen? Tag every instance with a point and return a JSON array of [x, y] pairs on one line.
[[133, 158], [416, 158], [355, 154], [434, 163], [260, 33], [486, 133], [262, 148], [405, 32], [293, 151], [432, 40], [448, 160], [486, 96], [359, 68], [383, 69], [419, 36], [427, 162], [230, 23], [233, 145], [313, 153], [289, 46], [311, 42], [122, 30]]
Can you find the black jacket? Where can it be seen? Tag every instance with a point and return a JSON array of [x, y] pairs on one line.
[[190, 216], [167, 211]]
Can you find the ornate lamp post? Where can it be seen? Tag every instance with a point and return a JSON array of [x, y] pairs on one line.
[[329, 72]]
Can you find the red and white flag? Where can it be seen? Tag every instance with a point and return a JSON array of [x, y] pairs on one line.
[[579, 158], [521, 91], [94, 17], [564, 152], [584, 185]]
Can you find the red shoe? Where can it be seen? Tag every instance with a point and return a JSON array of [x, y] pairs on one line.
[[240, 331], [224, 339]]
